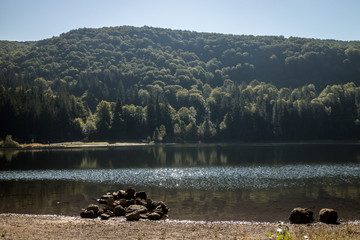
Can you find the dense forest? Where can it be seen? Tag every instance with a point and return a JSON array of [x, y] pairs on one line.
[[128, 83]]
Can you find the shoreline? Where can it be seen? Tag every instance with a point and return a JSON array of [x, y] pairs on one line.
[[26, 226], [80, 144], [71, 145]]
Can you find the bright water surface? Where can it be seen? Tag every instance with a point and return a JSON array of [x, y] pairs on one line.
[[260, 182]]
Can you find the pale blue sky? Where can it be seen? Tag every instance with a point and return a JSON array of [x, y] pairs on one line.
[[23, 20]]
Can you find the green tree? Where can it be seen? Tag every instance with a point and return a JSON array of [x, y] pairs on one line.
[[118, 123], [191, 132], [103, 119]]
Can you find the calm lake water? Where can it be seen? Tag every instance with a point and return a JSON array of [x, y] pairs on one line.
[[215, 182]]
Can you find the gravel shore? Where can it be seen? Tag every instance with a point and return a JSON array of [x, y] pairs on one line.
[[20, 226]]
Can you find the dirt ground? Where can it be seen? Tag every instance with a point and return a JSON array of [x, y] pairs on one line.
[[19, 226]]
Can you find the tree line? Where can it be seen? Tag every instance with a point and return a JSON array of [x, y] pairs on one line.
[[127, 83]]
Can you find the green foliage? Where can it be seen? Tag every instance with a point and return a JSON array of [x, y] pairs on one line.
[[159, 134], [125, 83], [282, 232], [10, 143], [103, 119]]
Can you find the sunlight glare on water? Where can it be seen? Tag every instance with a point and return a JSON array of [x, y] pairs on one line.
[[217, 178]]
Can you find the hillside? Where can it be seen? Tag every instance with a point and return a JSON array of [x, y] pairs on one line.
[[127, 83]]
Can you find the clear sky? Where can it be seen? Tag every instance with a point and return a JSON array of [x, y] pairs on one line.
[[23, 20]]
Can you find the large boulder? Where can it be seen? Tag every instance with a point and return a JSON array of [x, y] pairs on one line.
[[328, 216], [301, 216]]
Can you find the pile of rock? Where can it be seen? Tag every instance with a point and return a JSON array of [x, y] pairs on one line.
[[304, 216], [131, 204]]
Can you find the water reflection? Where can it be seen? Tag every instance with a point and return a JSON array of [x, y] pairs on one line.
[[88, 162], [8, 154], [69, 197], [180, 156]]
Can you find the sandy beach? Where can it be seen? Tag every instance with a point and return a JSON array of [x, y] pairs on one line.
[[21, 226]]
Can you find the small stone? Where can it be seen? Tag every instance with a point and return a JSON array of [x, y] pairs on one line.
[[141, 195], [137, 208], [154, 216], [130, 193], [143, 216], [130, 202], [93, 207], [133, 216], [119, 211], [158, 209], [123, 202], [115, 195], [108, 208], [121, 194], [106, 196], [103, 199], [105, 216], [110, 213], [328, 216], [110, 201], [88, 214], [101, 211], [140, 201], [150, 204], [164, 208]]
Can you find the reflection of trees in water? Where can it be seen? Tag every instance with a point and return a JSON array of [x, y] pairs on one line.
[[88, 162], [159, 155], [9, 154], [188, 157], [345, 192], [68, 197], [259, 204], [48, 197]]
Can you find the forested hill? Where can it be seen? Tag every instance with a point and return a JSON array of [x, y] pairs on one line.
[[128, 83]]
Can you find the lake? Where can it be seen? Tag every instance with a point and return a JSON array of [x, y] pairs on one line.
[[211, 182]]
